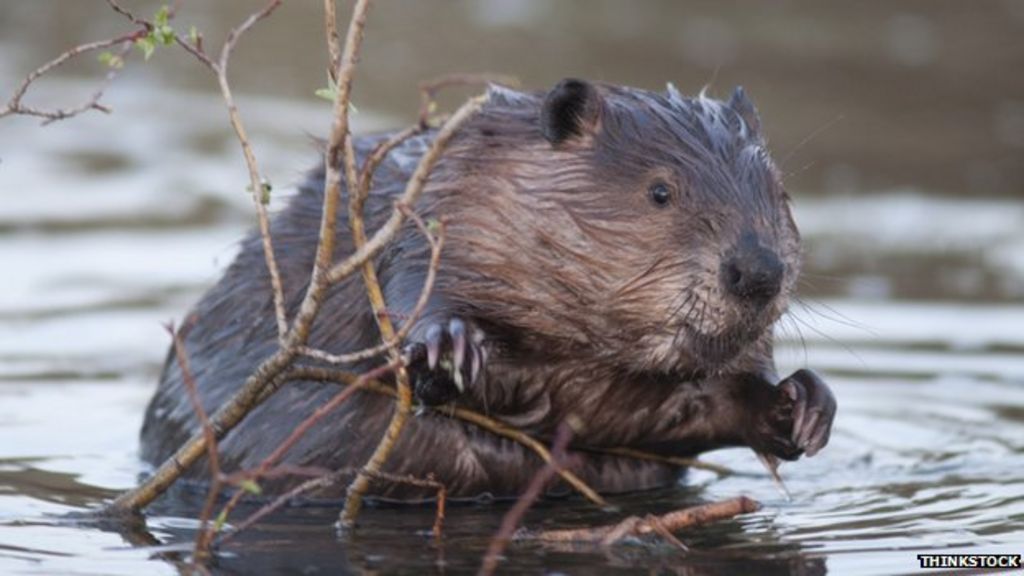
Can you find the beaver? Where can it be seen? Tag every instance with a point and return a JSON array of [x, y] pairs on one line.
[[614, 254]]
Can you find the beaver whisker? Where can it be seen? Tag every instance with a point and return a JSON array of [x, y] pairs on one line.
[[686, 295], [626, 287], [797, 320]]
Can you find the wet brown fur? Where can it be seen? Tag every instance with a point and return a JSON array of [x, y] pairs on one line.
[[594, 301]]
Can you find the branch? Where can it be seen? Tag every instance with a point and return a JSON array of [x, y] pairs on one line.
[[515, 514], [430, 88], [436, 244], [15, 107], [333, 41], [413, 188], [357, 199], [202, 545], [333, 478], [262, 382], [673, 460], [257, 183], [485, 422], [634, 526], [274, 457]]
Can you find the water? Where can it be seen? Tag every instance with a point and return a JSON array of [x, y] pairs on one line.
[[911, 305]]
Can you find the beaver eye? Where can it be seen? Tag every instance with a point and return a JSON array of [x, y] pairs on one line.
[[660, 193]]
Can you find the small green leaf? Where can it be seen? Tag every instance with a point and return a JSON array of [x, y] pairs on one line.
[[326, 93], [433, 225], [251, 487], [147, 44], [162, 16], [193, 35], [265, 189], [222, 519], [110, 59], [165, 34]]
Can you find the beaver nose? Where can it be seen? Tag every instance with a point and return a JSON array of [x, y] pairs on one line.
[[753, 272]]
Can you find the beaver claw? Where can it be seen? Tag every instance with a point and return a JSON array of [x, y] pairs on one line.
[[451, 358], [814, 409], [799, 421]]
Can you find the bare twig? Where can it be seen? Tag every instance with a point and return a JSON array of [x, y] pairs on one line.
[[274, 457], [259, 386], [202, 545], [665, 532], [332, 479], [381, 151], [466, 415], [256, 182], [633, 526], [413, 187], [257, 185], [673, 460], [502, 429], [261, 383], [430, 88], [264, 380], [515, 514], [436, 241], [404, 406], [340, 150], [333, 41], [14, 106]]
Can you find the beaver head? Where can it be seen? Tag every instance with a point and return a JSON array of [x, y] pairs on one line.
[[647, 228]]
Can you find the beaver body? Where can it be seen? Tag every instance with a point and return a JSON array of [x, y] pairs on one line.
[[612, 254]]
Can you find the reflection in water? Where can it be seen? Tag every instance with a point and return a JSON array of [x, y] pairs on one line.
[[111, 225]]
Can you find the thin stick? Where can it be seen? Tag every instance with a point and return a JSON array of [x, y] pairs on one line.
[[258, 387], [672, 521], [340, 148], [333, 41], [525, 439], [324, 481], [413, 187], [673, 460], [202, 545], [261, 383], [401, 413], [515, 514], [381, 151], [430, 88], [659, 526], [485, 422], [332, 478], [274, 457], [256, 181], [436, 242], [15, 107]]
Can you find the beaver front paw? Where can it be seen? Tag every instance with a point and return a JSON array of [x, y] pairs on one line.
[[451, 359], [800, 422], [814, 409]]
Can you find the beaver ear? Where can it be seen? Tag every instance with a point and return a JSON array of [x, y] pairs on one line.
[[571, 108], [742, 106]]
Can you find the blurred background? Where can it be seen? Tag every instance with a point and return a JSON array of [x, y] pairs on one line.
[[899, 127]]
